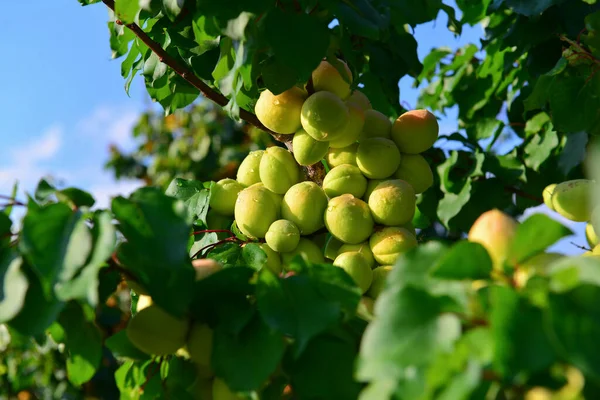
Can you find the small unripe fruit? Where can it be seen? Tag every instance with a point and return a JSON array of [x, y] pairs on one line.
[[356, 266], [273, 259], [344, 155], [199, 344], [379, 277], [306, 248], [343, 179], [249, 170], [349, 219], [547, 195], [256, 209], [362, 248], [308, 151], [278, 170], [283, 236], [205, 267], [223, 196], [572, 199], [590, 235], [390, 243], [326, 77], [350, 131], [304, 205], [280, 113], [366, 307], [359, 99], [415, 131], [371, 185], [332, 248], [415, 170], [377, 158], [495, 231], [155, 332], [323, 114], [376, 125], [220, 391], [392, 203]]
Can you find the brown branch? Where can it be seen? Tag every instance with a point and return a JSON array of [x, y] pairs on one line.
[[13, 201], [523, 194]]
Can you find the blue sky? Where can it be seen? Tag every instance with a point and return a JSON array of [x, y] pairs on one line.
[[63, 100]]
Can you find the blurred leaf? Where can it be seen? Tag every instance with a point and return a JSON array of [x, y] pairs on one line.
[[121, 347], [13, 285], [465, 260]]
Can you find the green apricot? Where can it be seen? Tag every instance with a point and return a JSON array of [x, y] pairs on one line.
[[392, 203], [595, 220], [415, 131], [223, 196], [256, 209], [278, 170], [349, 219], [332, 248], [572, 199], [199, 344], [356, 266], [415, 170], [379, 278], [362, 248], [371, 185], [590, 235], [376, 125], [304, 205], [390, 243], [220, 391], [249, 170], [273, 259], [410, 227], [155, 332], [280, 113], [306, 248], [323, 114], [343, 155], [377, 158], [359, 99], [547, 195], [343, 179], [350, 131], [326, 77], [308, 151], [283, 236]]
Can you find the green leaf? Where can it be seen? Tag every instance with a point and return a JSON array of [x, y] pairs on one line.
[[13, 285], [452, 204], [76, 197], [194, 194], [44, 191], [278, 77], [127, 10], [254, 257], [530, 9], [121, 347], [540, 148], [465, 260], [573, 153], [351, 17], [172, 8], [485, 128], [570, 272]]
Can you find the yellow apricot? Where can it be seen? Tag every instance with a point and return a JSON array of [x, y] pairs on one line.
[[223, 196], [249, 170], [308, 151], [590, 235], [415, 131], [377, 158], [278, 170], [350, 131], [327, 77], [304, 205], [376, 125], [390, 243], [392, 203], [343, 179], [494, 230], [256, 209], [547, 195], [356, 266], [283, 236], [349, 219], [380, 275], [415, 170], [343, 155], [323, 116], [306, 248], [362, 248], [280, 113], [572, 199], [359, 99]]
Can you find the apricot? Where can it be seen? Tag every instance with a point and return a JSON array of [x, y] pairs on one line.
[[256, 209], [273, 259], [283, 236], [223, 196], [362, 248], [323, 116], [304, 205], [332, 247], [572, 199], [376, 125], [415, 131], [392, 203], [308, 151], [390, 243], [377, 158], [220, 391], [590, 235], [343, 179], [280, 113], [326, 77], [534, 265], [356, 266], [359, 99], [343, 155], [350, 131], [366, 308], [547, 195], [199, 344], [415, 170], [278, 170], [371, 185], [495, 231], [379, 278], [249, 170], [306, 248], [205, 267], [348, 219]]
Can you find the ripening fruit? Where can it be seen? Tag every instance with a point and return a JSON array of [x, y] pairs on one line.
[[356, 266], [199, 344], [273, 259], [378, 284], [155, 332], [349, 219], [280, 113], [590, 235], [362, 248], [323, 115], [371, 185], [534, 265], [327, 77], [415, 170], [415, 131], [220, 391], [366, 307], [278, 170], [410, 227], [308, 151], [547, 195], [390, 243], [205, 267], [572, 199], [256, 209], [249, 170], [377, 158], [392, 203], [350, 131], [223, 196], [359, 99], [283, 236], [332, 248], [494, 230], [343, 155], [306, 248], [376, 125], [343, 179], [304, 205]]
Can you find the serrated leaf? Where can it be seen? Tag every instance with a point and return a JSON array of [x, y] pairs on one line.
[[194, 194], [464, 260], [534, 235], [540, 147]]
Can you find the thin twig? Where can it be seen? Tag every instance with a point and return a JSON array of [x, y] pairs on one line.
[[213, 231], [580, 247], [12, 200], [523, 194], [208, 246]]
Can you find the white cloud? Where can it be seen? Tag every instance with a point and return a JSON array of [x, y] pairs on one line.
[[110, 124], [40, 149], [104, 192]]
